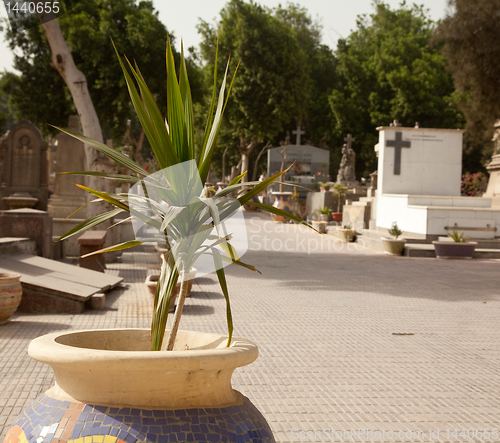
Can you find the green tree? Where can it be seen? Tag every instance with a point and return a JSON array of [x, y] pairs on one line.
[[4, 108], [40, 94], [322, 78], [388, 70], [271, 83], [471, 37]]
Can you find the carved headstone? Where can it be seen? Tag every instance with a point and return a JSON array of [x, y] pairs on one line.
[[70, 157], [347, 170], [493, 190], [24, 171]]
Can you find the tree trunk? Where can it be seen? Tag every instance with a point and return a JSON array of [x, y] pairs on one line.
[[178, 312], [77, 85], [245, 150], [264, 149]]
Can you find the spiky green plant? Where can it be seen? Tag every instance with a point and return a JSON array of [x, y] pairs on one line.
[[325, 211], [459, 237], [177, 211]]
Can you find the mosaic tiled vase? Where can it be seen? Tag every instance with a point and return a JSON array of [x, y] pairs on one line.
[[282, 202], [110, 389]]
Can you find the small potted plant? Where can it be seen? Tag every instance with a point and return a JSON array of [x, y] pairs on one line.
[[338, 191], [346, 233], [393, 246], [123, 377], [324, 186], [458, 246], [325, 214]]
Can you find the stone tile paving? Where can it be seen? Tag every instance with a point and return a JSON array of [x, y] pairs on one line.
[[325, 317]]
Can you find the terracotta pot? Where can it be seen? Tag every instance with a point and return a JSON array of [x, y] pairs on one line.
[[451, 249], [282, 202], [346, 235], [10, 295], [324, 188], [251, 208], [111, 388], [337, 217], [392, 246]]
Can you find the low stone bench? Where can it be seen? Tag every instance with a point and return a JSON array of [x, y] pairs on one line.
[[91, 241]]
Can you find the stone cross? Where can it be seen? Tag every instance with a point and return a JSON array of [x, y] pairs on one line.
[[299, 132], [397, 145], [349, 139]]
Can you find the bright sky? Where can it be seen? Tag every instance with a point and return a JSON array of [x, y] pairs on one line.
[[338, 17]]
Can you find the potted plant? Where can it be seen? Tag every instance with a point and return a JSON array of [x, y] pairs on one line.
[[339, 191], [324, 186], [325, 214], [393, 246], [458, 246], [121, 377], [346, 233]]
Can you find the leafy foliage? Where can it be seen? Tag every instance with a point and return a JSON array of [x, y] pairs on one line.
[[471, 37], [389, 71], [39, 93], [459, 237], [395, 231], [284, 78], [173, 204], [474, 185]]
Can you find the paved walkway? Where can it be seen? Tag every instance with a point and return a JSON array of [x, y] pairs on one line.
[[349, 339]]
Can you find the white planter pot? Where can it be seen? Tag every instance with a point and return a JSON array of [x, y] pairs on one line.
[[392, 246]]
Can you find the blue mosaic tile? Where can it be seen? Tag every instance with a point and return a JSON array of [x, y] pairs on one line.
[[242, 423]]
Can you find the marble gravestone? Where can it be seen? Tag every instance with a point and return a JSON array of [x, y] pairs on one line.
[[309, 160], [70, 157], [24, 178]]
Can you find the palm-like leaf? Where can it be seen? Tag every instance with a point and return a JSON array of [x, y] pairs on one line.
[[174, 208]]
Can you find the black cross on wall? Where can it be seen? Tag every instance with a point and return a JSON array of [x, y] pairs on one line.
[[397, 144]]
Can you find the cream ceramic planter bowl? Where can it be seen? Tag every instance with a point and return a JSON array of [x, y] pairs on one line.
[[129, 394], [346, 235], [393, 246]]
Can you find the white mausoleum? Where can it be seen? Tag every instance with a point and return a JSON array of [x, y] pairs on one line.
[[419, 185]]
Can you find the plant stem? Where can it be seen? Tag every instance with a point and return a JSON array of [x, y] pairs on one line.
[[178, 312]]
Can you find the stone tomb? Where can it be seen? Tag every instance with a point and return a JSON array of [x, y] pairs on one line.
[[28, 223], [24, 169], [308, 160], [419, 185]]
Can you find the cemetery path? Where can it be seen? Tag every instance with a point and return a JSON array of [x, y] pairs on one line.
[[406, 349]]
